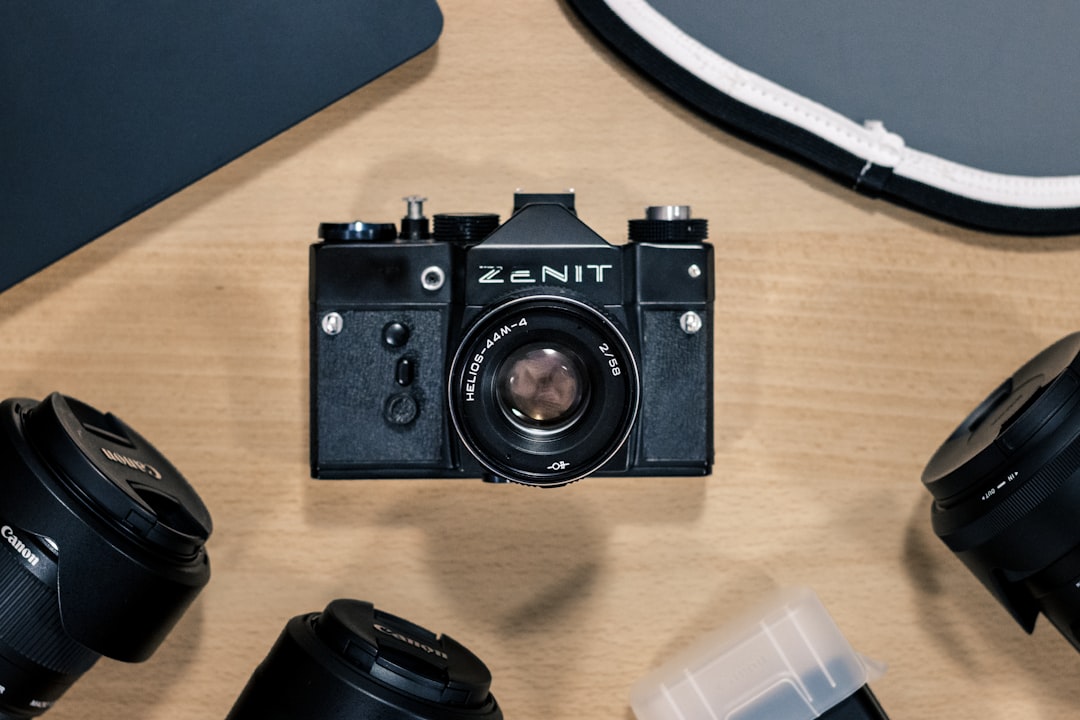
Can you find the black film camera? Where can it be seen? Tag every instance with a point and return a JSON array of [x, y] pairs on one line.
[[1006, 487], [532, 351]]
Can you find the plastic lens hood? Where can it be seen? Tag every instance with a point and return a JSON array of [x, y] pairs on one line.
[[1006, 487], [784, 659], [103, 547], [353, 661]]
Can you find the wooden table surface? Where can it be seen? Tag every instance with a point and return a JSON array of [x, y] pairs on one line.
[[851, 337]]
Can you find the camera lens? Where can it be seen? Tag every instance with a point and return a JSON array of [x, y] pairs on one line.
[[1006, 487], [543, 389], [354, 661], [103, 547]]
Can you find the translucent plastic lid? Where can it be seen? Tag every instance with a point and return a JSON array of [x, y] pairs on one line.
[[786, 659]]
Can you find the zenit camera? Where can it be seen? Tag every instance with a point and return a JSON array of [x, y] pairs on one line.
[[532, 351]]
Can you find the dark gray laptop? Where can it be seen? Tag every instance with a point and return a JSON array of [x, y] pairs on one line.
[[110, 106]]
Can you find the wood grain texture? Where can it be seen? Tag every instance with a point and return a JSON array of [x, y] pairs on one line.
[[851, 337]]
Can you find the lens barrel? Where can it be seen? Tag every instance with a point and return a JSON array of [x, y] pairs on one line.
[[102, 552], [592, 393], [1006, 487], [353, 661]]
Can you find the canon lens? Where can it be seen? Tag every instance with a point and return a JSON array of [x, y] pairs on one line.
[[102, 552], [353, 661], [1006, 487]]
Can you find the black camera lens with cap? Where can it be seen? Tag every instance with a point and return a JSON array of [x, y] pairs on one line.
[[354, 661], [103, 547], [1006, 487]]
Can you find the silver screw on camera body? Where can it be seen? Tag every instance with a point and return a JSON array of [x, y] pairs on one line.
[[693, 271], [690, 322], [414, 206], [432, 278], [332, 323]]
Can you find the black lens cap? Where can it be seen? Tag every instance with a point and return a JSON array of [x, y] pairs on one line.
[[354, 661], [403, 655], [1023, 413], [119, 472]]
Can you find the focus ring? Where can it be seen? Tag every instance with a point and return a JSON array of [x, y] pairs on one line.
[[1026, 498], [30, 622]]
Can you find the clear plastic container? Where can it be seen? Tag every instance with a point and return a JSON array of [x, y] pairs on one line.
[[786, 660]]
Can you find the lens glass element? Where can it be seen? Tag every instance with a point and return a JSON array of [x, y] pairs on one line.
[[542, 387]]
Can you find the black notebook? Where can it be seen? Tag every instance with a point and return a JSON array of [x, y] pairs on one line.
[[108, 107]]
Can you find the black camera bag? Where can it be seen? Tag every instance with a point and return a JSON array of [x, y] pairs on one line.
[[964, 111]]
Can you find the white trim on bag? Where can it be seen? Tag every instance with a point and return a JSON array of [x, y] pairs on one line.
[[869, 141]]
